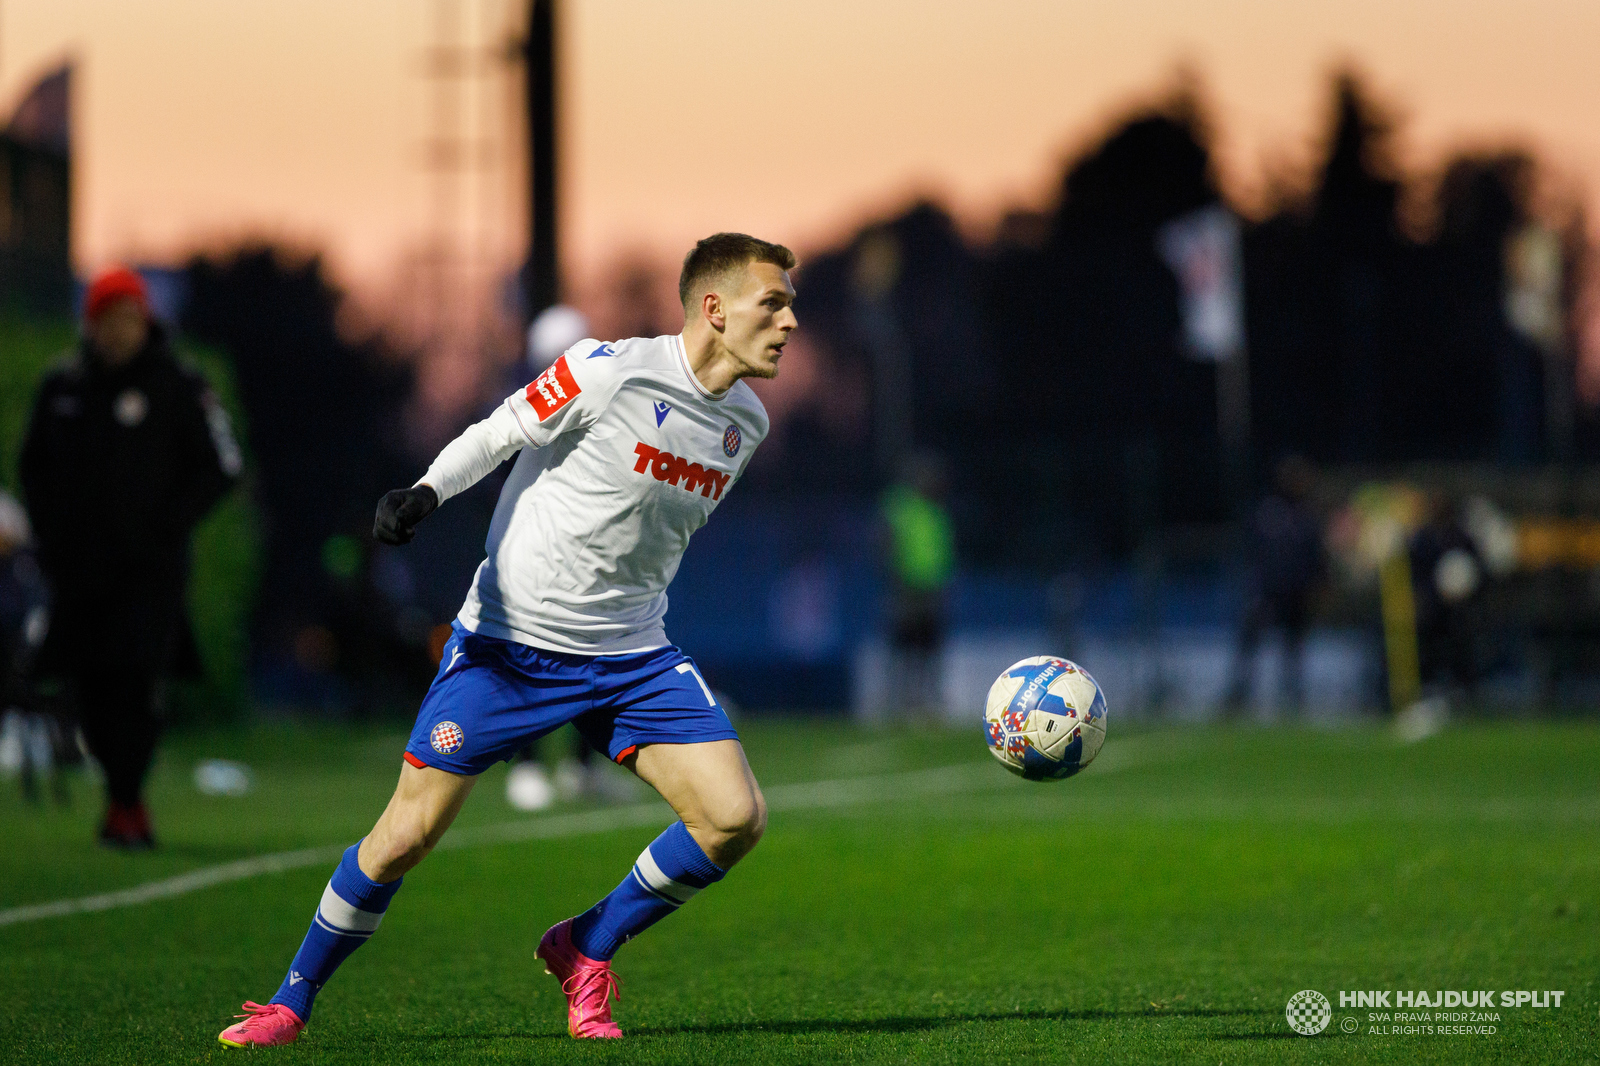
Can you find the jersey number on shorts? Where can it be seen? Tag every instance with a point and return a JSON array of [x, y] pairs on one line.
[[688, 668]]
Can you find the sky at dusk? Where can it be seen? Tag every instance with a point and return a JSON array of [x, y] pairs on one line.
[[198, 122]]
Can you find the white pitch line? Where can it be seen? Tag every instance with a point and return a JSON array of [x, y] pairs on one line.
[[175, 886], [810, 795], [782, 797]]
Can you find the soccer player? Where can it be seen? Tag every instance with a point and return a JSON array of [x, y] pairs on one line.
[[626, 449]]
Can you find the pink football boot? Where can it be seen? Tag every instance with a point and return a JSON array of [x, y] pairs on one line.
[[587, 983], [268, 1026]]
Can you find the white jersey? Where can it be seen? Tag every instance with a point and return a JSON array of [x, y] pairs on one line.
[[624, 455]]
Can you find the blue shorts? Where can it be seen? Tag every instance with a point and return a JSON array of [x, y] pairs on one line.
[[492, 697]]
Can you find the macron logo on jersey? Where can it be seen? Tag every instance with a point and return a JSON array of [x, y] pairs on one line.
[[664, 466], [552, 390]]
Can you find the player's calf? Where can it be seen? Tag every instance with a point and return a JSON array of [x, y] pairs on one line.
[[351, 909], [424, 804], [723, 816], [578, 951], [667, 874]]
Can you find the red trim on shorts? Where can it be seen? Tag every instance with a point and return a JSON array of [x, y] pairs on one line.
[[625, 752], [414, 761]]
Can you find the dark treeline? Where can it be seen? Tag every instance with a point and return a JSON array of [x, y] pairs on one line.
[[36, 200], [1048, 368], [325, 426]]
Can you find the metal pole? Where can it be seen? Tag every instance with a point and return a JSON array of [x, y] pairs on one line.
[[544, 280]]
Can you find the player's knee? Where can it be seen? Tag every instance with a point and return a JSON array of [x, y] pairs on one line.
[[383, 860], [741, 822], [397, 848], [412, 850], [757, 826]]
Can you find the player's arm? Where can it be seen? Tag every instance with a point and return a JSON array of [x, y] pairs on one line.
[[463, 463], [36, 469], [553, 404], [208, 458]]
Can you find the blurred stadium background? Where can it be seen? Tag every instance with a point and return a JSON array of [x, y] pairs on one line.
[[1107, 348], [1127, 333]]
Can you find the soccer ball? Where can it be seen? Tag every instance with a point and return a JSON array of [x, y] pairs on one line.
[[1046, 718]]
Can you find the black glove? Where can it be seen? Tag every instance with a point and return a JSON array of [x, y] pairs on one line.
[[400, 511]]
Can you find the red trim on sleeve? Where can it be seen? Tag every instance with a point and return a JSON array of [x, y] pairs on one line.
[[414, 761], [625, 752]]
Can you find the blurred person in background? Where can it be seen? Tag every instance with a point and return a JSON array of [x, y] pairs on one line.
[[32, 742], [922, 559], [1447, 574], [127, 450], [1287, 567]]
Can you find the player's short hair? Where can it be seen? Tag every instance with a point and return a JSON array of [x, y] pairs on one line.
[[722, 253]]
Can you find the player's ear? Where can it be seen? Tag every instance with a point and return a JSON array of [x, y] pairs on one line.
[[711, 306]]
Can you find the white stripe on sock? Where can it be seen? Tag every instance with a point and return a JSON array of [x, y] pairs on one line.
[[344, 918], [639, 880], [661, 882], [316, 920]]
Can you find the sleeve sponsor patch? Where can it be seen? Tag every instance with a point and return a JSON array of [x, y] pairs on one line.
[[552, 390]]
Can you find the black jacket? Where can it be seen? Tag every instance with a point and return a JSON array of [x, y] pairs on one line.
[[118, 467]]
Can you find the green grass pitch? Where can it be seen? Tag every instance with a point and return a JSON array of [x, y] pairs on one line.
[[925, 907]]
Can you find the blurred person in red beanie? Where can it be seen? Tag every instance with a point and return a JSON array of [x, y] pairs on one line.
[[126, 451]]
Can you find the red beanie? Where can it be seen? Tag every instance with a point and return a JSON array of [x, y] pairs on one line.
[[113, 285]]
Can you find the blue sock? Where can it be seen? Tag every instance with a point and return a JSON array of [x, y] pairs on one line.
[[669, 871], [351, 908]]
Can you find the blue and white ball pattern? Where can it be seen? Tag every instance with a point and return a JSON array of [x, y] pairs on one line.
[[1045, 719]]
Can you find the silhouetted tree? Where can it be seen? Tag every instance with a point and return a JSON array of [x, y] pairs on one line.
[[1320, 297], [1085, 328], [324, 422]]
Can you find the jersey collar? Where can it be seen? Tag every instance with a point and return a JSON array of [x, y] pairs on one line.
[[688, 372]]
